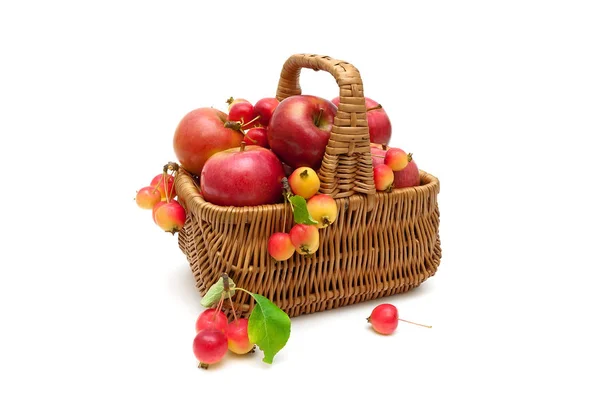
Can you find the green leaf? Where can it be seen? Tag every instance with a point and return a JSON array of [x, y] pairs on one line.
[[268, 327], [214, 293], [301, 215]]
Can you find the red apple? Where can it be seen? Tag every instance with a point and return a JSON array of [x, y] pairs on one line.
[[199, 135], [408, 177], [264, 108], [244, 176], [257, 136], [380, 126], [299, 130]]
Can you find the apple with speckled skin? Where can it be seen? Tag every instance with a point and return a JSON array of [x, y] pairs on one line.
[[200, 134], [380, 126], [299, 130]]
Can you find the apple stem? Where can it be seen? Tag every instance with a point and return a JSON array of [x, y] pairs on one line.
[[414, 323], [242, 146], [229, 101], [377, 107], [318, 120], [409, 157], [235, 125], [251, 121]]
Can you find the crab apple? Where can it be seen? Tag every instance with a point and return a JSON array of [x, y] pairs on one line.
[[147, 197], [304, 182], [264, 109], [257, 136], [231, 101], [408, 177], [159, 183], [156, 207], [244, 113], [212, 319], [280, 246], [397, 159], [237, 336], [384, 318], [305, 238], [210, 346], [323, 209], [170, 216], [383, 177]]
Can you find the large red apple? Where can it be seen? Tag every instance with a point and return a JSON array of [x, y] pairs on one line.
[[380, 126], [243, 176], [200, 134], [408, 177], [300, 128]]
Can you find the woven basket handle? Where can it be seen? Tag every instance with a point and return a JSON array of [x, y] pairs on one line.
[[347, 166]]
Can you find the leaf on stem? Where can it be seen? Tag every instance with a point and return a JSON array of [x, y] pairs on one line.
[[214, 293], [268, 327], [301, 215]]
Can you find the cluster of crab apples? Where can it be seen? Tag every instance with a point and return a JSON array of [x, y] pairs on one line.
[[161, 198], [303, 238]]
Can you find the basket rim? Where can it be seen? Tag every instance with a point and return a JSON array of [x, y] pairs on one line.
[[192, 199]]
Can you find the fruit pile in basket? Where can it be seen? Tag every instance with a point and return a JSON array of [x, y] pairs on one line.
[[258, 154], [246, 157]]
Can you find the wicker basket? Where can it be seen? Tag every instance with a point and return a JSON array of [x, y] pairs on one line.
[[381, 243]]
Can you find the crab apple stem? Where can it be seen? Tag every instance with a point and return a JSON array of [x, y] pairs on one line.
[[377, 107], [242, 146], [409, 157], [414, 323], [318, 120], [220, 305], [232, 308], [250, 139], [251, 121], [229, 100]]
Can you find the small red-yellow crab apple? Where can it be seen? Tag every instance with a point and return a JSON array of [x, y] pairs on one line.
[[280, 246], [323, 209], [305, 238], [147, 197], [170, 216]]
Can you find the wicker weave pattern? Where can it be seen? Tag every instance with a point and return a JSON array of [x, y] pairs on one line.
[[381, 243]]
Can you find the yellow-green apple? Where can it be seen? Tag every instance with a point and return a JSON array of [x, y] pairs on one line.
[[243, 176], [300, 128], [380, 126], [200, 134]]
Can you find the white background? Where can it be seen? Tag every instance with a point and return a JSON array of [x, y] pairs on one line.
[[500, 100]]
